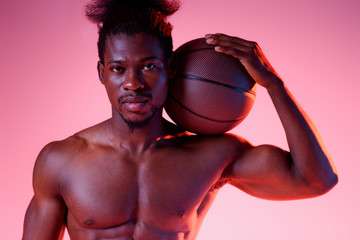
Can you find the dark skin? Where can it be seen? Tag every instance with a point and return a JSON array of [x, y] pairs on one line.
[[155, 181]]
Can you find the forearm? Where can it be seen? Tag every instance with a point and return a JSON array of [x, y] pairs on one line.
[[309, 155]]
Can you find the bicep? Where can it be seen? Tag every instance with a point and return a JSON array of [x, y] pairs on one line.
[[267, 172], [44, 219]]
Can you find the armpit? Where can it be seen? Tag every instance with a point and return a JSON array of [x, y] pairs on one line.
[[221, 182]]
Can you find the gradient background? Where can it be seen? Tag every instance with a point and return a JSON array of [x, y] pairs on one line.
[[49, 90]]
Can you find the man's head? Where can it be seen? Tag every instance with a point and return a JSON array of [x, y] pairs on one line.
[[130, 17], [134, 46], [135, 76]]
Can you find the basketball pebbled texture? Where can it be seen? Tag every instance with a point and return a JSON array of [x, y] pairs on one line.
[[211, 92]]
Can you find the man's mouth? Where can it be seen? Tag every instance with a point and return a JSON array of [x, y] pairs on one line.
[[135, 103]]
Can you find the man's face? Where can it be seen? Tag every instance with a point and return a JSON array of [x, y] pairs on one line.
[[135, 76]]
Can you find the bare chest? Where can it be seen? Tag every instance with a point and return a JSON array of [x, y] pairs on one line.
[[162, 189]]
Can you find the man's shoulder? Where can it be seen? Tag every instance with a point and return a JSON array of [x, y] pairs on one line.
[[227, 140], [55, 155], [224, 144], [59, 153], [231, 139], [69, 146]]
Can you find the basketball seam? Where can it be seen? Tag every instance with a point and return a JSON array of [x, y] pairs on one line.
[[196, 114], [214, 82]]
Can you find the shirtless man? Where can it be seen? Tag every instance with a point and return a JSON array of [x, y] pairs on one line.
[[137, 176]]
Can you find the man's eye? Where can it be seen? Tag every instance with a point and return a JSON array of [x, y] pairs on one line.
[[149, 66], [117, 69]]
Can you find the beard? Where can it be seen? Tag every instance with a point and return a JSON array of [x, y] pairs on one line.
[[133, 125]]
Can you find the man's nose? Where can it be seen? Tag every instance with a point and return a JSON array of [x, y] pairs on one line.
[[133, 81]]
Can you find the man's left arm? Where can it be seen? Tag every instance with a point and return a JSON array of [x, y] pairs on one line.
[[308, 167]]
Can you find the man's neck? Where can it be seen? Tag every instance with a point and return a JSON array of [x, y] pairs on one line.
[[139, 139]]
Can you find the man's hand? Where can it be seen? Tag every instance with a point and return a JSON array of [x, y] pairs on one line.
[[250, 55]]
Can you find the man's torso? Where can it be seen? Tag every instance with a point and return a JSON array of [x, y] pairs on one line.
[[162, 193]]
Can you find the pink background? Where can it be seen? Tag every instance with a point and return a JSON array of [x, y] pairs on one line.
[[49, 90]]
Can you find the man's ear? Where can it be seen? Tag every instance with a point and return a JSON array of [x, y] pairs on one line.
[[100, 68]]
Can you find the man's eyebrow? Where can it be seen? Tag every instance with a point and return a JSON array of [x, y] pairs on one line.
[[119, 61], [150, 58], [116, 61]]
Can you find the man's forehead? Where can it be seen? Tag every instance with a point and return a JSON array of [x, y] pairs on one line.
[[139, 43]]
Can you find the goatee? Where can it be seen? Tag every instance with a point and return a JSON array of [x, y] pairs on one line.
[[132, 125]]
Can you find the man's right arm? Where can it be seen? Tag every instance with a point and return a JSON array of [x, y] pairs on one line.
[[45, 216]]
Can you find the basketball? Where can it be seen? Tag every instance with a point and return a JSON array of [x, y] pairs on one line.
[[210, 92]]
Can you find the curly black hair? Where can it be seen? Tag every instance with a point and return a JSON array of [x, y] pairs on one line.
[[130, 17]]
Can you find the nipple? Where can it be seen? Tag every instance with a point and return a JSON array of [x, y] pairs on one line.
[[89, 222]]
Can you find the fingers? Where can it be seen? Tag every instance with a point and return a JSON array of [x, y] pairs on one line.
[[248, 53], [227, 41], [237, 47], [237, 53]]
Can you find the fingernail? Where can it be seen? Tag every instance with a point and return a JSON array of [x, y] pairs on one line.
[[209, 40], [208, 35], [217, 48]]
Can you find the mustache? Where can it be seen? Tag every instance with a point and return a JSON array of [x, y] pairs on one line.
[[132, 94]]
